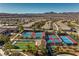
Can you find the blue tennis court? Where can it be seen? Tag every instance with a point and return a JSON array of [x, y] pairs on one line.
[[27, 34], [38, 35], [49, 36], [66, 40]]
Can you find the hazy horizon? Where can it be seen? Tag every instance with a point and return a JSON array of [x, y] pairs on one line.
[[22, 8]]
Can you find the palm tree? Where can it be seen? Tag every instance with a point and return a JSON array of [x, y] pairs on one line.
[[77, 36], [20, 28], [8, 45]]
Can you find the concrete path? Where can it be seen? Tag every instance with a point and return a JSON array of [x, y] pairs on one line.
[[56, 26], [14, 37], [23, 54]]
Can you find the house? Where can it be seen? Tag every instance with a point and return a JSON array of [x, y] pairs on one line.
[[3, 31], [10, 28]]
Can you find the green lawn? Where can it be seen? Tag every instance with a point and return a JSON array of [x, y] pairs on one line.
[[24, 45]]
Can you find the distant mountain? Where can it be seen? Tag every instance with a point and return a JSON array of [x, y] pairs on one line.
[[71, 12], [39, 13], [47, 14], [50, 13]]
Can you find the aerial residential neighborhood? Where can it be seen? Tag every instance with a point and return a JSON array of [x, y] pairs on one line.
[[39, 34]]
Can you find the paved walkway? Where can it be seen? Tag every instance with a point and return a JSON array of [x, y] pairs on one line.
[[15, 36], [23, 54], [56, 26]]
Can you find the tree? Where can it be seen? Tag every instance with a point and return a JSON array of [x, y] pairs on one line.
[[43, 49], [20, 28], [4, 38], [24, 51], [6, 52], [8, 45]]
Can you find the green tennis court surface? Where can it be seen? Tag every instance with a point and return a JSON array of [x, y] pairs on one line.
[[24, 45], [54, 36]]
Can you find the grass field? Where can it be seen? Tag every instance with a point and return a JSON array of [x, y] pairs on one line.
[[24, 45]]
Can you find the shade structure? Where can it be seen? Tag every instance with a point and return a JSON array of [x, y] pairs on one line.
[[59, 40], [43, 33], [49, 41], [33, 34]]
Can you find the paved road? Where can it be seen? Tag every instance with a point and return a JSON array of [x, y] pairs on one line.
[[54, 24]]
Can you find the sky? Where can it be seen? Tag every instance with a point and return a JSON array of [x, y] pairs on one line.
[[38, 7]]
